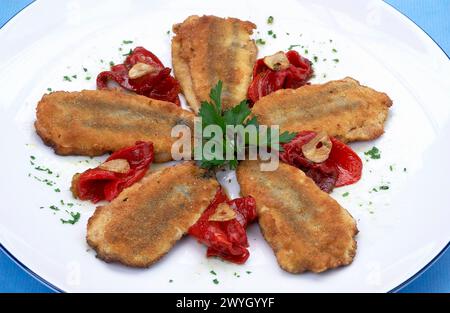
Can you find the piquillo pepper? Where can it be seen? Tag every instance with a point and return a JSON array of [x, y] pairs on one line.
[[279, 71], [342, 167], [121, 170], [222, 227], [143, 73]]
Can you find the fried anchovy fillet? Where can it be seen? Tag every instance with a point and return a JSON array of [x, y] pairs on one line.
[[207, 49], [342, 108], [146, 220], [93, 122], [306, 228]]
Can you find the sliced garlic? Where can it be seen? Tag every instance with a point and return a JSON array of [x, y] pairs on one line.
[[141, 69], [223, 213], [117, 166], [277, 61], [315, 154]]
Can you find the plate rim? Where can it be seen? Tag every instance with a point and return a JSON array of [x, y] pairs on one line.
[[398, 288]]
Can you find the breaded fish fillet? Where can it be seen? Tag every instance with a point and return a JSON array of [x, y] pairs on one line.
[[143, 223], [307, 229], [342, 108], [93, 122], [207, 49]]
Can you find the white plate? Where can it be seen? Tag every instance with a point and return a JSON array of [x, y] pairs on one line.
[[401, 229]]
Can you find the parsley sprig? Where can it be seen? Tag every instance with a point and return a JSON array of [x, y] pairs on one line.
[[212, 113]]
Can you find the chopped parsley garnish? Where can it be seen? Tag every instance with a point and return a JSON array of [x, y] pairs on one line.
[[43, 169], [54, 208], [287, 34], [404, 169], [70, 204], [111, 63], [32, 157], [336, 60], [315, 58], [170, 280], [270, 20], [127, 42], [74, 76], [88, 78], [374, 189], [391, 168], [345, 194], [270, 32], [49, 89], [373, 153], [128, 53], [212, 114], [85, 69], [57, 190], [384, 187], [67, 78], [334, 50], [213, 273], [236, 275], [75, 217], [293, 46], [248, 272], [168, 32], [260, 41], [216, 281]]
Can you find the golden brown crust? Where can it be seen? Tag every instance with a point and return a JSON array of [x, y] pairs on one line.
[[93, 122], [307, 229], [143, 223], [207, 49], [74, 184], [342, 108]]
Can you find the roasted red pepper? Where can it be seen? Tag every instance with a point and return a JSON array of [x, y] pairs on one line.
[[155, 83], [267, 80], [226, 239], [101, 184], [343, 166]]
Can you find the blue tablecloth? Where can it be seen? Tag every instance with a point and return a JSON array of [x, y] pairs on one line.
[[430, 15]]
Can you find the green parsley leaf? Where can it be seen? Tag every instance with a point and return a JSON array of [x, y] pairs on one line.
[[238, 114], [293, 46], [260, 41], [75, 217], [373, 153], [127, 54], [270, 20], [54, 208], [127, 42], [212, 114]]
